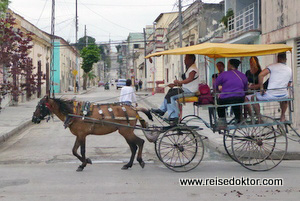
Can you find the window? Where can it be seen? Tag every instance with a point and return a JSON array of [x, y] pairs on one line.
[[136, 46]]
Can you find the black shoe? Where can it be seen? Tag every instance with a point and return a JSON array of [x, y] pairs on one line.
[[158, 112], [173, 121]]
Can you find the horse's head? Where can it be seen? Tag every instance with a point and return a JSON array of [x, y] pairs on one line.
[[41, 111]]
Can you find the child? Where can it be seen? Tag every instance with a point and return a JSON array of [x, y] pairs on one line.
[[127, 94]]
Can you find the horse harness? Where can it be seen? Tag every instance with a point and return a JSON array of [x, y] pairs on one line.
[[85, 109]]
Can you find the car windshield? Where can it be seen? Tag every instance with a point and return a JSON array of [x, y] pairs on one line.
[[121, 80]]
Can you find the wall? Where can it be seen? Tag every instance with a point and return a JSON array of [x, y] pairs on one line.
[[41, 45], [56, 66], [281, 24]]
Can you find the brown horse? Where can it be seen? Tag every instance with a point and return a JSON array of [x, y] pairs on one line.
[[114, 117]]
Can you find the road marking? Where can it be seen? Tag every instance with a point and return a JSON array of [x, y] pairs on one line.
[[107, 162]]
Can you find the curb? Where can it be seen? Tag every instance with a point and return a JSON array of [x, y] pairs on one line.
[[14, 131]]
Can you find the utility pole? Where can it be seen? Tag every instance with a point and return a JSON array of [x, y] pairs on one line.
[[76, 41], [145, 60], [85, 36], [180, 34], [154, 59], [52, 50]]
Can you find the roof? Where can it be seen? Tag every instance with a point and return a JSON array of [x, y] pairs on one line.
[[217, 50]]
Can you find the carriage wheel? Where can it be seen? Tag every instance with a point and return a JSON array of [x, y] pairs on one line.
[[227, 138], [259, 147], [192, 120], [156, 146], [180, 149]]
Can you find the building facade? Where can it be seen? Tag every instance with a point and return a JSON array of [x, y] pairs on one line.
[[40, 52], [280, 23], [200, 20], [64, 62]]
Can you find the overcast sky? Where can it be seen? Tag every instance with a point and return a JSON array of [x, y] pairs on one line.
[[105, 19]]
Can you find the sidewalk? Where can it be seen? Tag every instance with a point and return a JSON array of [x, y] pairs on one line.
[[15, 118], [214, 140]]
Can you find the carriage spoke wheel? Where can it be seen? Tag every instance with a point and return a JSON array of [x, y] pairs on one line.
[[180, 149], [227, 138], [259, 147]]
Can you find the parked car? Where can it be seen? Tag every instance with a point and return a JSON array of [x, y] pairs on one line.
[[100, 83], [121, 83]]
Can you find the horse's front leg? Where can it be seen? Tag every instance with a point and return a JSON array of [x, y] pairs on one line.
[[81, 143]]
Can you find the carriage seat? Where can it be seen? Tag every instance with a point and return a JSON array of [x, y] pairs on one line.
[[191, 99]]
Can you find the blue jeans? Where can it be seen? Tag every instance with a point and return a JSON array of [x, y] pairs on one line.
[[172, 107]]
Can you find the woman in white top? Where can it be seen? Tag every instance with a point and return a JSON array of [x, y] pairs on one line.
[[127, 95]]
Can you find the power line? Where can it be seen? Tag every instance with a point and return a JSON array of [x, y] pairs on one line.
[[59, 23], [116, 5], [41, 13], [105, 18]]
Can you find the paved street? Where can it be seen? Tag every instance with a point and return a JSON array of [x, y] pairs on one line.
[[37, 164]]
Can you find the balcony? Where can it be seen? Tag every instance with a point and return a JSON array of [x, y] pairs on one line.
[[246, 20]]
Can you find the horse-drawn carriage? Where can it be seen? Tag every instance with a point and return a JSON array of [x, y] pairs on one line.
[[256, 145]]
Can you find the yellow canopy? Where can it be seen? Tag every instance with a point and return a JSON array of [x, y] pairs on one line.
[[217, 50]]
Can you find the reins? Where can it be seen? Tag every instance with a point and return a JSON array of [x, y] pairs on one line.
[[101, 121]]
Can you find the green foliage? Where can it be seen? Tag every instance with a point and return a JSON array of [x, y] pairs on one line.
[[91, 75], [3, 6], [82, 42], [224, 20], [90, 55], [118, 48]]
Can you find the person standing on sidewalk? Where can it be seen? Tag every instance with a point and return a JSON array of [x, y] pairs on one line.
[[127, 95], [189, 83]]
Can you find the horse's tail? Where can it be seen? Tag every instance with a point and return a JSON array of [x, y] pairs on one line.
[[146, 112]]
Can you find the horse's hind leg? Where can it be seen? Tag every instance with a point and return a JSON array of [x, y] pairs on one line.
[[140, 143], [134, 141], [133, 149]]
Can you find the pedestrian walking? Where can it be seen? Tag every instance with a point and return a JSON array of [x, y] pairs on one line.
[[136, 84], [127, 95], [140, 84]]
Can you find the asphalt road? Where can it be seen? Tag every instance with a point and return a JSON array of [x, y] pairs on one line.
[[37, 164]]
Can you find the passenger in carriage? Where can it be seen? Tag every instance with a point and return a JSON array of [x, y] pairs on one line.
[[280, 79], [234, 84], [221, 68], [252, 76], [189, 85]]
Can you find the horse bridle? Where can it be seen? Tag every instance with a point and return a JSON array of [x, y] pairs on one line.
[[45, 109]]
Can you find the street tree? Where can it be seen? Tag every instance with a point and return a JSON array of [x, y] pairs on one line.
[[90, 55], [82, 42], [3, 6], [16, 65]]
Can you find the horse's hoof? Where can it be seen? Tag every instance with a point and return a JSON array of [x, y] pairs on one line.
[[79, 169], [125, 167], [142, 164], [89, 161]]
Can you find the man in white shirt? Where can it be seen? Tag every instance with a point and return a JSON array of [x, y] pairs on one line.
[[280, 79], [189, 83], [127, 95]]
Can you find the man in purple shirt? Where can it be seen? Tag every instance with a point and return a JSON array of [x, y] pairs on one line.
[[234, 84]]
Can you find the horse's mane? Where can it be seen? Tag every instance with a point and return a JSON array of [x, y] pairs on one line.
[[65, 106]]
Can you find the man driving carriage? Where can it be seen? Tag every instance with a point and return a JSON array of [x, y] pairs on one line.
[[189, 85]]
